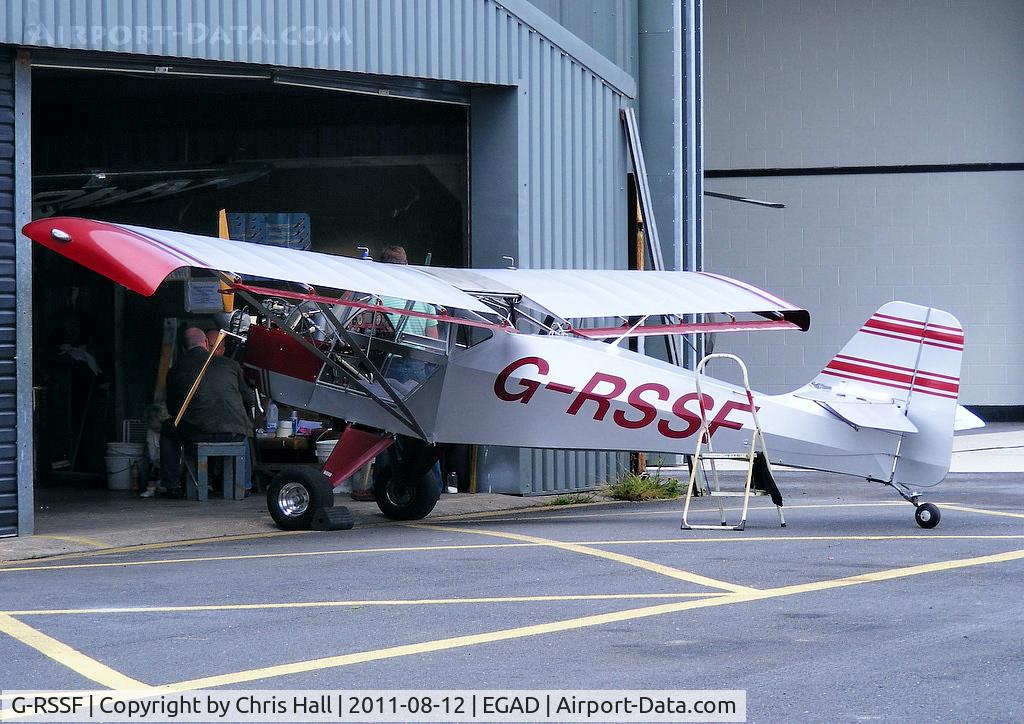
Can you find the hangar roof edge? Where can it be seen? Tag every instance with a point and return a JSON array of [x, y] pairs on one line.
[[223, 30]]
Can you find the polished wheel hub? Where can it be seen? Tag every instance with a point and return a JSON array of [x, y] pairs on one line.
[[293, 500]]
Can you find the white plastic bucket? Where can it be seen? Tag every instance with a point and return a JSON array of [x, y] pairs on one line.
[[284, 428], [120, 458], [324, 448], [362, 480], [119, 472], [128, 449]]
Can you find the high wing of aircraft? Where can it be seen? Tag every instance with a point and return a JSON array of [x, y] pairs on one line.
[[535, 358]]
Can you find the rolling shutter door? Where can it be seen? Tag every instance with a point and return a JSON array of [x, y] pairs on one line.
[[8, 379]]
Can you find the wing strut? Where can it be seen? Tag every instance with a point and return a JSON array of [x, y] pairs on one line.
[[343, 333], [403, 414]]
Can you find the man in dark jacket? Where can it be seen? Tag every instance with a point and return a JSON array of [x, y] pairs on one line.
[[216, 413], [220, 403]]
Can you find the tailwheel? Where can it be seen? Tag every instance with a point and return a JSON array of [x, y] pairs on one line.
[[927, 515]]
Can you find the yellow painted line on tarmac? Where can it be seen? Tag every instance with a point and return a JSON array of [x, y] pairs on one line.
[[982, 511], [886, 504], [810, 506], [491, 518], [77, 539], [903, 572], [725, 538], [482, 516], [798, 538], [581, 622], [356, 603], [658, 568], [508, 516], [142, 547], [256, 556], [66, 656], [538, 508], [424, 647]]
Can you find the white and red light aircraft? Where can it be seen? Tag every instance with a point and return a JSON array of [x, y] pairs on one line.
[[524, 360]]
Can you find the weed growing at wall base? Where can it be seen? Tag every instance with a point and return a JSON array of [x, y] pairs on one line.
[[631, 486]]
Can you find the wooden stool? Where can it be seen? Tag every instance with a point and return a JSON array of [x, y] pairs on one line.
[[234, 469]]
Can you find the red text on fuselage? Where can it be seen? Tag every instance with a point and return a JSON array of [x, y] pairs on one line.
[[596, 396]]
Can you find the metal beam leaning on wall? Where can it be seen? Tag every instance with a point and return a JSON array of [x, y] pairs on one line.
[[636, 155]]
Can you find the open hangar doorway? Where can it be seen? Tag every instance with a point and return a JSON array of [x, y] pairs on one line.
[[169, 150]]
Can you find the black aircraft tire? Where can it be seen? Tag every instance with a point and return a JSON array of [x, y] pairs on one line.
[[405, 502], [927, 515], [295, 496]]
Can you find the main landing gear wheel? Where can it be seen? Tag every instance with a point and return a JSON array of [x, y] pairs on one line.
[[295, 497], [927, 515], [409, 499]]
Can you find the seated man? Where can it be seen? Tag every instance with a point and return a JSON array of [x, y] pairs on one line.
[[217, 411], [403, 369], [406, 372]]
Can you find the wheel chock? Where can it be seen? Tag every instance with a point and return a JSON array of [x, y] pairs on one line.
[[339, 518]]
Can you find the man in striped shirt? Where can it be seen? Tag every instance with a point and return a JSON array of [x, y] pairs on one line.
[[395, 254]]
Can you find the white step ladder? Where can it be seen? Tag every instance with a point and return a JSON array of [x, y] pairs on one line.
[[756, 456]]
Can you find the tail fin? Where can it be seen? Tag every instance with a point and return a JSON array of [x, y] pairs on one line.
[[906, 358]]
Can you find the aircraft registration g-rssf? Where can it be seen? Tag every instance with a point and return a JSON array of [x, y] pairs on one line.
[[526, 358]]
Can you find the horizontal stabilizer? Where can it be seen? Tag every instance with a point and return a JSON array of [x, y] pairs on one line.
[[966, 420], [854, 404], [875, 415]]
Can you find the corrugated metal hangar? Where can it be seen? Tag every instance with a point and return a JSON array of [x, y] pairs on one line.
[[473, 130]]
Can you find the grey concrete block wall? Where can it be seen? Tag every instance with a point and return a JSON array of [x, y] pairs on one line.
[[809, 83], [825, 83], [950, 240]]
